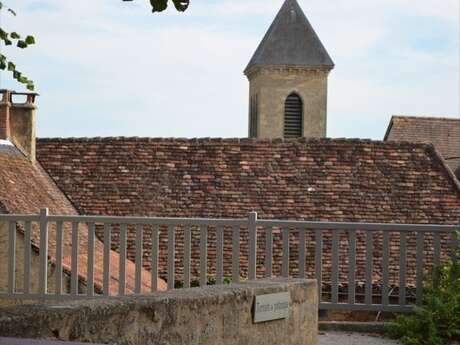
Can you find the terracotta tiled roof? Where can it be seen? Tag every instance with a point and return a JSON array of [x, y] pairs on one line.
[[26, 188], [325, 180], [443, 133]]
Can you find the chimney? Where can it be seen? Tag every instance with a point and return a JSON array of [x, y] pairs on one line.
[[5, 114], [17, 120]]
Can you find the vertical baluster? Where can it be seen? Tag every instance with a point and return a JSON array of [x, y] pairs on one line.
[[43, 272], [187, 255], [352, 266], [220, 255], [302, 252], [319, 261], [74, 262], [203, 255], [171, 257], [285, 268], [335, 266], [27, 257], [12, 258], [369, 266], [107, 247], [437, 249], [402, 269], [155, 263], [454, 247], [122, 268], [269, 252], [58, 258], [252, 244], [236, 254], [420, 261], [139, 251], [90, 287], [385, 266]]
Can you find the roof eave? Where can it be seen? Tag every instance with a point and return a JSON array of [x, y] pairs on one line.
[[446, 167]]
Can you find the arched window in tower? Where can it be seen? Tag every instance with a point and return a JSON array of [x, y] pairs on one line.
[[293, 116]]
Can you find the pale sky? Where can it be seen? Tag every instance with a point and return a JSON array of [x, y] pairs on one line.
[[112, 68]]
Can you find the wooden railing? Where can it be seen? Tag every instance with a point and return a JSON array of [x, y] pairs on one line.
[[351, 252]]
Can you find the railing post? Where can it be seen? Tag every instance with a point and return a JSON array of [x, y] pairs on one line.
[[285, 265], [43, 272], [74, 260], [252, 228], [171, 257], [12, 257], [236, 254]]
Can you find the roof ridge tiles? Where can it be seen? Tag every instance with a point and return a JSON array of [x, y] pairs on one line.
[[242, 141], [425, 118]]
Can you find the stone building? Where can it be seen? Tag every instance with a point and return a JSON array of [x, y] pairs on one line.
[[288, 79]]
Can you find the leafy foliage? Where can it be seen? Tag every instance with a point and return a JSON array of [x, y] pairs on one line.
[[13, 38], [438, 321], [161, 5]]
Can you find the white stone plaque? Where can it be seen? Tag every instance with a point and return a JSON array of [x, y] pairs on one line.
[[271, 307]]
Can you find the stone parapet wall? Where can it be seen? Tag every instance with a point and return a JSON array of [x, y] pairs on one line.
[[218, 315]]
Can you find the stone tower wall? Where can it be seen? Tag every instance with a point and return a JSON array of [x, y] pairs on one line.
[[273, 85]]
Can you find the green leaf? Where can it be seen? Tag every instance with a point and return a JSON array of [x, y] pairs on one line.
[[30, 39], [181, 5], [8, 38], [3, 34], [159, 5], [22, 44]]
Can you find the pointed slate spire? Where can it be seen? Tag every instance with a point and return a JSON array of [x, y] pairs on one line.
[[291, 41]]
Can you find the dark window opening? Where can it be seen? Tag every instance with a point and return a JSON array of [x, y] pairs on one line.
[[253, 117], [293, 116]]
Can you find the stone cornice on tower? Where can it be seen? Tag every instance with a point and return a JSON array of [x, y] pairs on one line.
[[286, 69]]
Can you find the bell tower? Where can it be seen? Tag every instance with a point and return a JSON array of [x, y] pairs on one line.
[[288, 76]]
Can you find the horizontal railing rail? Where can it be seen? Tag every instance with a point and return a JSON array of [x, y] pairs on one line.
[[359, 266]]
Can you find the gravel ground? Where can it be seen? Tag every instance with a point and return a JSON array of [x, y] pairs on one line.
[[339, 338]]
